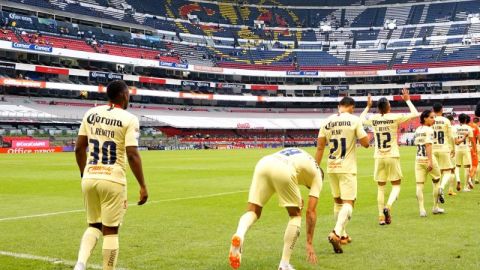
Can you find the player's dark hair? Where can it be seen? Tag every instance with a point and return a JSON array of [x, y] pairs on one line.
[[115, 89], [468, 119], [425, 114], [347, 101], [476, 120], [382, 105], [462, 118], [437, 107], [450, 117]]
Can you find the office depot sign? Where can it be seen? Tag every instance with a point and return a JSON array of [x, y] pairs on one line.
[[36, 150], [30, 144]]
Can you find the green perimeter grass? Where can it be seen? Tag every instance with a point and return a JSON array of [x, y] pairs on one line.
[[195, 233]]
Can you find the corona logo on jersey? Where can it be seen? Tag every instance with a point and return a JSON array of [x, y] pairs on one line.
[[92, 119]]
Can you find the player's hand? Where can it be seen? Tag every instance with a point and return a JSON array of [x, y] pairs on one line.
[[369, 101], [311, 256], [430, 166], [143, 196], [452, 154], [405, 94]]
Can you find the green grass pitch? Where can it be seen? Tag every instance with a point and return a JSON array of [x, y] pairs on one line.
[[196, 199]]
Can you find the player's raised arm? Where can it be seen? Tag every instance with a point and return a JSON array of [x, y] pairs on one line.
[[413, 111], [363, 115]]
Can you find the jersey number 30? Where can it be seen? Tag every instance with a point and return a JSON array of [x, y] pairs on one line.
[[109, 152]]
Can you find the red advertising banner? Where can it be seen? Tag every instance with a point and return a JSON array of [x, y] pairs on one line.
[[264, 87], [196, 96], [30, 144], [152, 80], [52, 70], [37, 150]]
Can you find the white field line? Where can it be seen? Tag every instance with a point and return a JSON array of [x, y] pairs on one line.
[[131, 204], [47, 259]]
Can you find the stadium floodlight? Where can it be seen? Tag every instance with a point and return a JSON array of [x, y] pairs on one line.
[[473, 18], [390, 24], [326, 26]]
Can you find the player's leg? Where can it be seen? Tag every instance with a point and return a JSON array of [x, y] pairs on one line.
[[260, 192], [93, 232], [394, 175], [420, 176], [435, 174], [445, 165], [458, 163], [290, 237], [114, 205], [381, 178], [452, 182]]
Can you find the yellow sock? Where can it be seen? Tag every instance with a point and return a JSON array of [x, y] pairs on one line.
[[420, 197], [110, 251], [245, 222], [380, 199], [292, 232], [393, 195], [343, 218], [336, 209], [89, 240]]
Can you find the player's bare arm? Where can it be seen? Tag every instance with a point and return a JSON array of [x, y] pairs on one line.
[[321, 143], [365, 142], [135, 162], [363, 115], [81, 153], [311, 217]]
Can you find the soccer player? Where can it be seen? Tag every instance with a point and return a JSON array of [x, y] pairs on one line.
[[442, 133], [283, 173], [476, 121], [341, 131], [111, 135], [387, 156], [464, 140], [426, 163], [454, 172], [473, 148]]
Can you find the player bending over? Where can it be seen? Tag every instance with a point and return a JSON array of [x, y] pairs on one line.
[[442, 150], [387, 156], [111, 135], [341, 131], [463, 158], [426, 163], [282, 173]]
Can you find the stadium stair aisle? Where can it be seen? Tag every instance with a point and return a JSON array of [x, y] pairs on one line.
[[228, 12]]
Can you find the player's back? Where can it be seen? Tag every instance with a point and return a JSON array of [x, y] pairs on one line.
[[442, 130], [423, 136], [305, 166], [462, 131], [385, 128], [341, 132], [109, 131]]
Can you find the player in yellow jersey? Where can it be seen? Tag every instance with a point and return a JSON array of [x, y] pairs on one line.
[[387, 156], [341, 131], [464, 140], [426, 163], [111, 135], [442, 150], [283, 173], [455, 172]]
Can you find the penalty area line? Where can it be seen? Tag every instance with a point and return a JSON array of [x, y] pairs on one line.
[[47, 259], [131, 204]]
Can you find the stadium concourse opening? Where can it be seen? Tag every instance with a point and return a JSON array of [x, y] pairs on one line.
[[211, 106]]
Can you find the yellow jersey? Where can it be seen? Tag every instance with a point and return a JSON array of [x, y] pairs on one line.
[[461, 131], [442, 132], [307, 172], [341, 132], [423, 136], [109, 130]]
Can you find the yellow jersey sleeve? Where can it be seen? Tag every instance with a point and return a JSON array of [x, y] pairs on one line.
[[359, 131], [83, 128], [132, 133], [413, 113]]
